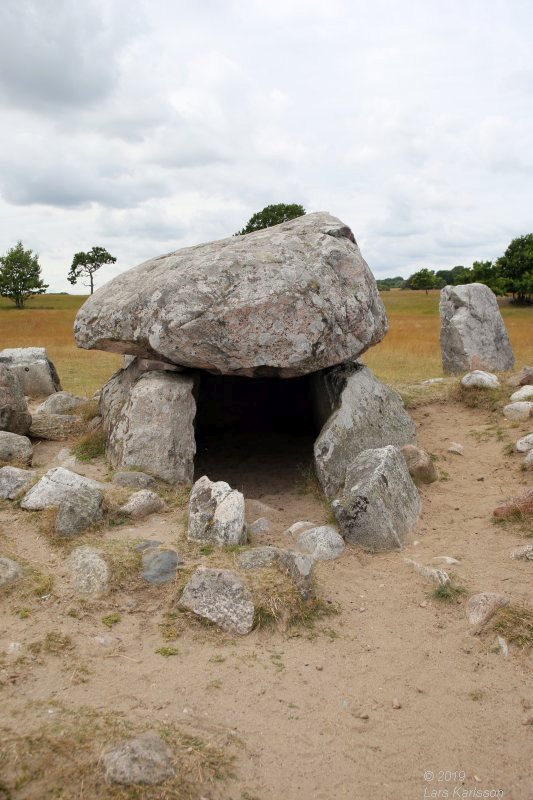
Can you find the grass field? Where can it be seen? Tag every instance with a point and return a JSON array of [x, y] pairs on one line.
[[409, 352]]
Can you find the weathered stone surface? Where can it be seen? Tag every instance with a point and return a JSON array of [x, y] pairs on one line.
[[159, 566], [524, 393], [14, 414], [522, 378], [116, 392], [134, 480], [456, 449], [380, 504], [61, 403], [480, 380], [518, 412], [14, 481], [56, 427], [143, 503], [78, 500], [525, 444], [300, 527], [216, 513], [299, 567], [430, 573], [528, 460], [287, 300], [521, 505], [143, 760], [10, 572], [523, 553], [421, 468], [473, 334], [221, 596], [259, 526], [258, 557], [36, 373], [481, 607], [361, 413], [15, 448], [323, 543], [89, 571], [153, 429]]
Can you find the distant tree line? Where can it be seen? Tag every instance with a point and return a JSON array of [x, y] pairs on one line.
[[512, 274]]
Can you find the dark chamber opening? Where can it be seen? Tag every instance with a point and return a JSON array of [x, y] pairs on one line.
[[256, 434]]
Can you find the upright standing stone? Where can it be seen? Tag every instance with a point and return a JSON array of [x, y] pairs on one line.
[[14, 414], [153, 430], [473, 334], [361, 413]]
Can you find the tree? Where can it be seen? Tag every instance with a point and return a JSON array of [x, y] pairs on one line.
[[86, 264], [516, 268], [424, 279], [272, 215], [20, 275]]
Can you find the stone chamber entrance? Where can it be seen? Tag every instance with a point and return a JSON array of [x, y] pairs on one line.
[[257, 434]]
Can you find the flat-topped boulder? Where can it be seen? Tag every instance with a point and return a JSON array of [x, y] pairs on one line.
[[284, 301]]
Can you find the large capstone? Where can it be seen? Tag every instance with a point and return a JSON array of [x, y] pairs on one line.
[[360, 413], [285, 301], [36, 373], [473, 334], [379, 504], [150, 423]]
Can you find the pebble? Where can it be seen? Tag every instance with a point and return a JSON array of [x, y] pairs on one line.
[[396, 703], [456, 448]]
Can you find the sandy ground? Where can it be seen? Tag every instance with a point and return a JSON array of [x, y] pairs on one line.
[[306, 713]]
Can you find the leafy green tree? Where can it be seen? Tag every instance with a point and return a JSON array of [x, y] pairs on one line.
[[20, 275], [272, 215], [424, 279], [86, 264], [516, 268], [390, 283], [488, 273]]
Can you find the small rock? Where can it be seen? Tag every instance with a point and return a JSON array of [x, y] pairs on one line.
[[10, 572], [436, 575], [522, 378], [482, 607], [78, 500], [143, 503], [56, 427], [258, 557], [221, 596], [448, 560], [478, 379], [521, 505], [420, 465], [518, 412], [60, 403], [15, 448], [396, 703], [525, 444], [261, 525], [524, 553], [299, 567], [430, 381], [323, 543], [14, 481], [502, 644], [528, 461], [216, 513], [456, 448], [159, 566], [299, 527], [134, 480], [525, 393], [145, 760], [90, 573]]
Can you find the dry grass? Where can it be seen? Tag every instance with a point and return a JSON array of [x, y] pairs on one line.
[[62, 758], [515, 625], [90, 445]]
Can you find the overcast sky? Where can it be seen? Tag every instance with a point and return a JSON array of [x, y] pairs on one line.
[[143, 126]]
